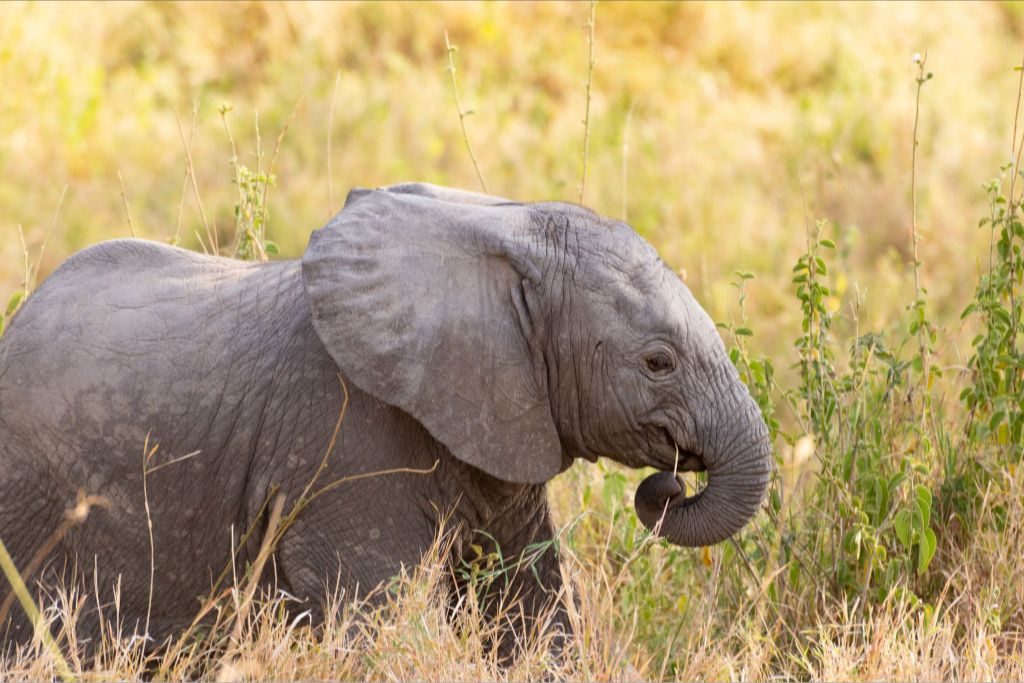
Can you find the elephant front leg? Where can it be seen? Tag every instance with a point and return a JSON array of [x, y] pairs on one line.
[[516, 580], [348, 545]]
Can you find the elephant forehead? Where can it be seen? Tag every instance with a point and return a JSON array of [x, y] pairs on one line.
[[651, 297], [581, 230]]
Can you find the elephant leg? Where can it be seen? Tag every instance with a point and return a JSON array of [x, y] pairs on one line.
[[345, 546], [518, 575]]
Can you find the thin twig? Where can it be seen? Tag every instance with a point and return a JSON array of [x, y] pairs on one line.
[[330, 131], [805, 361], [224, 110], [243, 541], [591, 23], [369, 475], [1015, 158], [266, 548], [625, 164], [239, 228], [210, 235], [458, 107], [270, 170], [175, 461], [147, 454], [28, 264], [918, 302], [1014, 205], [257, 240], [333, 441], [184, 178], [124, 201], [46, 239]]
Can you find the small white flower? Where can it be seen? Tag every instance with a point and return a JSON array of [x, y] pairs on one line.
[[917, 58], [803, 450]]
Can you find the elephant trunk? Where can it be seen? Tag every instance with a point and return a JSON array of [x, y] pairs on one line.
[[738, 463]]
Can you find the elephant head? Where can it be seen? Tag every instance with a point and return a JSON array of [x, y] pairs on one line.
[[523, 336]]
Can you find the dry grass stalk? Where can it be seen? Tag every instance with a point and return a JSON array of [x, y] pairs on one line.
[[462, 113], [185, 176], [124, 202], [591, 24], [19, 590], [330, 152], [226, 671], [211, 235]]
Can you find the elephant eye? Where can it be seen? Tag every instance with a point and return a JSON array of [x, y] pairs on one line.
[[660, 363]]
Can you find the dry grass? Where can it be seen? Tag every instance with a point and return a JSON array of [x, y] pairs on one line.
[[408, 635], [710, 125], [728, 103]]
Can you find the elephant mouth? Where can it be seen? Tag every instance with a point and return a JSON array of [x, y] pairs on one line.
[[665, 490], [687, 461]]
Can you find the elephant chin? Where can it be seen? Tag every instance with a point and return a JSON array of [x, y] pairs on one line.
[[732, 496]]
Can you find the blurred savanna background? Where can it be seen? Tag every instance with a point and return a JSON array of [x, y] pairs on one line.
[[766, 150], [711, 126]]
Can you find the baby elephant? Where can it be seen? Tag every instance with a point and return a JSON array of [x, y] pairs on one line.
[[435, 357]]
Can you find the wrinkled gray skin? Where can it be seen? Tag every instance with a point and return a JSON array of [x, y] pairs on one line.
[[493, 341]]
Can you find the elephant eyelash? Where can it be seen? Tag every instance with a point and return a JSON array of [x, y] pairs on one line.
[[660, 363]]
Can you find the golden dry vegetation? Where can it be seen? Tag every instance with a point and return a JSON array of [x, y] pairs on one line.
[[723, 133]]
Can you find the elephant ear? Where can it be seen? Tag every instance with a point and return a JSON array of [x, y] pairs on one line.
[[422, 296]]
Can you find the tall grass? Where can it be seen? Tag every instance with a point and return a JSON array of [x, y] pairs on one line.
[[889, 546]]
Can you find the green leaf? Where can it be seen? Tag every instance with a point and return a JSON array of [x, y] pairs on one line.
[[828, 244], [924, 500], [744, 332], [271, 247], [901, 524], [881, 498], [929, 614], [794, 574], [14, 302], [848, 464], [757, 370], [926, 550]]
